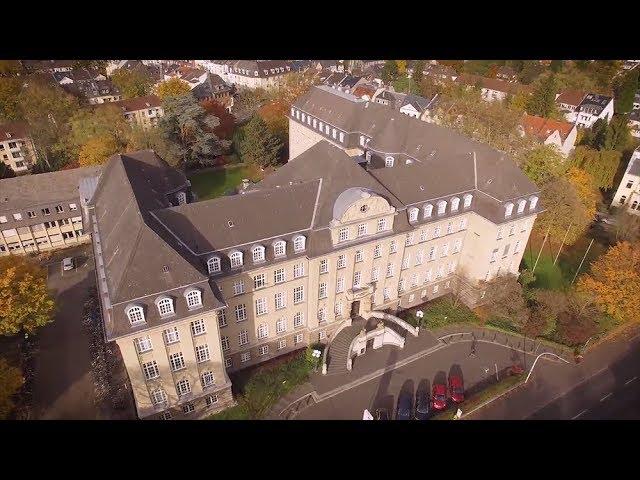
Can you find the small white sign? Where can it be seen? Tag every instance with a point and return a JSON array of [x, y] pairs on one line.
[[366, 415], [419, 314]]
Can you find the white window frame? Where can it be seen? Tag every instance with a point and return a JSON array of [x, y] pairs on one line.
[[193, 297], [259, 281], [362, 229], [262, 331], [207, 379], [213, 265], [340, 285], [533, 201], [455, 204], [240, 311], [143, 344], [343, 234], [298, 270], [281, 326], [235, 259], [202, 353], [298, 320], [508, 209], [279, 248], [165, 306], [135, 313], [298, 294], [389, 161], [521, 205], [467, 200], [359, 257], [324, 266], [280, 300], [176, 362], [198, 327], [150, 370], [342, 261], [238, 287], [427, 210], [413, 214], [257, 254], [279, 275], [442, 207], [377, 251], [382, 224], [261, 306], [243, 338], [183, 391]]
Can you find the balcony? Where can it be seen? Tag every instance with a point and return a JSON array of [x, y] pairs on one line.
[[359, 292]]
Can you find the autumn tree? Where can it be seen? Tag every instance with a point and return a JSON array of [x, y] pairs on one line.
[[259, 145], [275, 117], [104, 126], [427, 87], [97, 150], [249, 100], [9, 106], [625, 89], [25, 301], [173, 87], [627, 226], [586, 189], [402, 67], [506, 300], [614, 281], [418, 69], [578, 321], [227, 121], [390, 71], [547, 305], [132, 83], [11, 380], [542, 163], [5, 171], [602, 165], [543, 99], [189, 131]]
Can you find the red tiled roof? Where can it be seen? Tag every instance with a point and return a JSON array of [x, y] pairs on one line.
[[364, 90], [138, 103], [493, 84], [571, 97], [543, 127], [14, 130]]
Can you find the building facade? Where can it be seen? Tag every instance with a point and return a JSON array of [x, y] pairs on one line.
[[42, 212], [628, 194], [16, 147], [143, 111]]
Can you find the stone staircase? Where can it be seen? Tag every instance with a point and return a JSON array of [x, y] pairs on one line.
[[339, 348]]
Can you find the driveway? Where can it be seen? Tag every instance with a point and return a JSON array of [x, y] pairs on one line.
[[63, 385]]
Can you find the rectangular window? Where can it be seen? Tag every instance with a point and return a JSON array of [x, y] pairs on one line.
[[386, 293], [143, 344], [324, 266], [505, 252], [428, 276], [337, 309], [222, 318], [261, 306], [225, 343], [437, 231], [440, 271], [211, 400], [340, 285], [494, 255], [382, 224], [280, 300], [376, 252], [457, 245], [298, 320], [243, 338], [375, 272], [342, 261], [356, 279], [393, 248], [298, 295], [150, 370], [228, 362], [263, 331], [282, 343], [359, 256], [207, 379], [414, 280], [463, 224], [298, 270], [241, 312], [176, 361], [159, 396], [516, 247], [279, 275], [202, 353], [419, 257], [449, 228], [298, 338], [245, 357], [198, 327], [238, 287], [322, 314], [171, 335], [401, 285], [435, 288], [362, 229], [405, 261], [322, 290], [263, 349], [73, 207], [259, 281], [499, 235], [390, 270], [409, 240], [432, 253], [343, 234], [444, 250], [423, 235], [281, 326]]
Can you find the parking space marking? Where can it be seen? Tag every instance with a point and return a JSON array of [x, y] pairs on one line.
[[630, 380], [581, 413], [606, 396]]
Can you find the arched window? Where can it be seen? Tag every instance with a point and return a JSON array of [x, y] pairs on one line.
[[165, 306], [135, 314], [299, 243], [623, 199], [467, 200], [533, 201], [213, 264], [455, 204], [257, 253], [236, 259], [388, 162], [279, 248], [194, 298], [442, 207], [521, 205], [428, 210], [508, 209], [413, 214]]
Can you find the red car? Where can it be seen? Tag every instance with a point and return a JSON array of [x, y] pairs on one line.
[[456, 388], [439, 396]]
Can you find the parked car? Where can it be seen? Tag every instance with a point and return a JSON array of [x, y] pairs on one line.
[[422, 405], [439, 401], [405, 407], [382, 414], [67, 264], [456, 388]]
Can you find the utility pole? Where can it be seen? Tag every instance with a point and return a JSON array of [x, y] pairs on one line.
[[562, 244], [541, 247], [580, 266]]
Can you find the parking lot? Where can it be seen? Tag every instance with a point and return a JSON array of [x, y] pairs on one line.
[[382, 392]]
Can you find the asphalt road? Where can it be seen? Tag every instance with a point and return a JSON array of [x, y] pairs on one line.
[[611, 394]]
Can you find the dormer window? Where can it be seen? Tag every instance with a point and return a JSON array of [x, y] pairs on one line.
[[388, 162], [533, 201], [279, 248], [508, 209], [165, 306], [213, 265], [467, 200], [442, 207], [413, 214], [299, 243], [194, 298], [521, 205], [455, 204], [427, 210], [257, 253], [236, 259], [135, 314]]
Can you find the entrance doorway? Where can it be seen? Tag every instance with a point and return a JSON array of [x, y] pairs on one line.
[[355, 309]]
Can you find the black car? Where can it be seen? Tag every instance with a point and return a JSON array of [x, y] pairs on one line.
[[423, 405], [405, 407]]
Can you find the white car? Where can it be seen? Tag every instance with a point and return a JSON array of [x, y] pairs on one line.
[[67, 264]]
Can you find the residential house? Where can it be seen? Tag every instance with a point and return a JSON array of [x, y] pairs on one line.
[[43, 212], [335, 66], [550, 132], [414, 105], [343, 82], [389, 98], [628, 194], [593, 107], [257, 73], [634, 123], [144, 111], [568, 103], [440, 74], [507, 74], [16, 147], [214, 88], [636, 101], [365, 91], [493, 88]]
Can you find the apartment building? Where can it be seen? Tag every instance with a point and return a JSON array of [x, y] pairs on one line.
[[493, 88], [42, 212], [628, 193], [144, 111], [249, 73], [584, 109], [16, 147]]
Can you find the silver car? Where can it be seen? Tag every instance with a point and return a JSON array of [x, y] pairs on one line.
[[67, 264]]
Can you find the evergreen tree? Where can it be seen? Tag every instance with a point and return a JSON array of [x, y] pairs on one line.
[[390, 71], [543, 100], [556, 65], [259, 145], [418, 67], [6, 172], [625, 91]]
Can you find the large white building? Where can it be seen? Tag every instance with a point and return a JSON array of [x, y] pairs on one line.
[[628, 194]]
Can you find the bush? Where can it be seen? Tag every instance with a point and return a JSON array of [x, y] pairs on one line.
[[439, 313]]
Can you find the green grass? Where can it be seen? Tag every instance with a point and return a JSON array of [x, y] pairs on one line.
[[439, 313], [406, 85], [209, 184], [548, 275]]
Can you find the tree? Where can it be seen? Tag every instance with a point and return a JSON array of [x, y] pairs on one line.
[[617, 135], [556, 65], [543, 100], [601, 165], [418, 69], [11, 380], [259, 145], [625, 90], [530, 71], [97, 150], [507, 301], [428, 88], [9, 106], [189, 131], [140, 138], [627, 226], [275, 116], [585, 188], [547, 306], [614, 281], [25, 301], [519, 101], [132, 83], [390, 71], [249, 100], [10, 67], [5, 171], [402, 67], [542, 164], [97, 125], [227, 121], [173, 87], [595, 136]]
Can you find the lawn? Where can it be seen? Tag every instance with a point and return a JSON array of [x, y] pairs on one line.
[[212, 183]]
